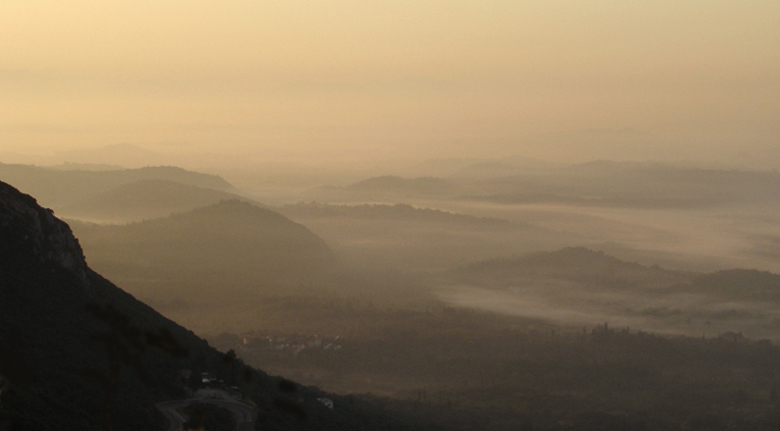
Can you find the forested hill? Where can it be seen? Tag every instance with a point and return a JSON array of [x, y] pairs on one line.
[[78, 353]]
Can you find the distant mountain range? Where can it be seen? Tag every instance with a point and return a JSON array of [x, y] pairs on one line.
[[598, 183], [614, 184], [144, 199], [57, 187]]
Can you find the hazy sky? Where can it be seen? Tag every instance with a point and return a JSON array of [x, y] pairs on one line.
[[568, 79]]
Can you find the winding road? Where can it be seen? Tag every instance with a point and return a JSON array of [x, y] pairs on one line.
[[245, 414]]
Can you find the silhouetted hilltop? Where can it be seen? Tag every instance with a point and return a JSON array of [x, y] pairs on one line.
[[144, 199], [228, 244], [56, 187]]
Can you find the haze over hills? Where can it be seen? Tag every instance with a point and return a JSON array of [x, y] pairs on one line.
[[368, 276], [405, 238], [56, 187], [144, 199], [126, 155], [399, 211], [575, 264], [579, 285], [598, 183], [80, 353], [434, 334], [636, 185], [684, 216], [483, 215], [473, 166], [394, 185], [68, 166], [740, 285]]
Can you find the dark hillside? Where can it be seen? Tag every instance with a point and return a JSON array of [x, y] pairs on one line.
[[77, 353], [56, 325]]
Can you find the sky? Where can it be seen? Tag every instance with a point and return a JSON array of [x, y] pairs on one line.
[[569, 80]]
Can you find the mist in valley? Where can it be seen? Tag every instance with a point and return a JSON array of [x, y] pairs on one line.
[[502, 216], [453, 285]]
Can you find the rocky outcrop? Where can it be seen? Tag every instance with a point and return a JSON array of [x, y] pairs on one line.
[[25, 223]]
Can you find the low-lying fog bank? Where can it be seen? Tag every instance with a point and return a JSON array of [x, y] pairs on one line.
[[674, 314], [576, 286]]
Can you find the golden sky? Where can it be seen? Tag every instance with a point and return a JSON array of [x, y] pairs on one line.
[[565, 80]]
